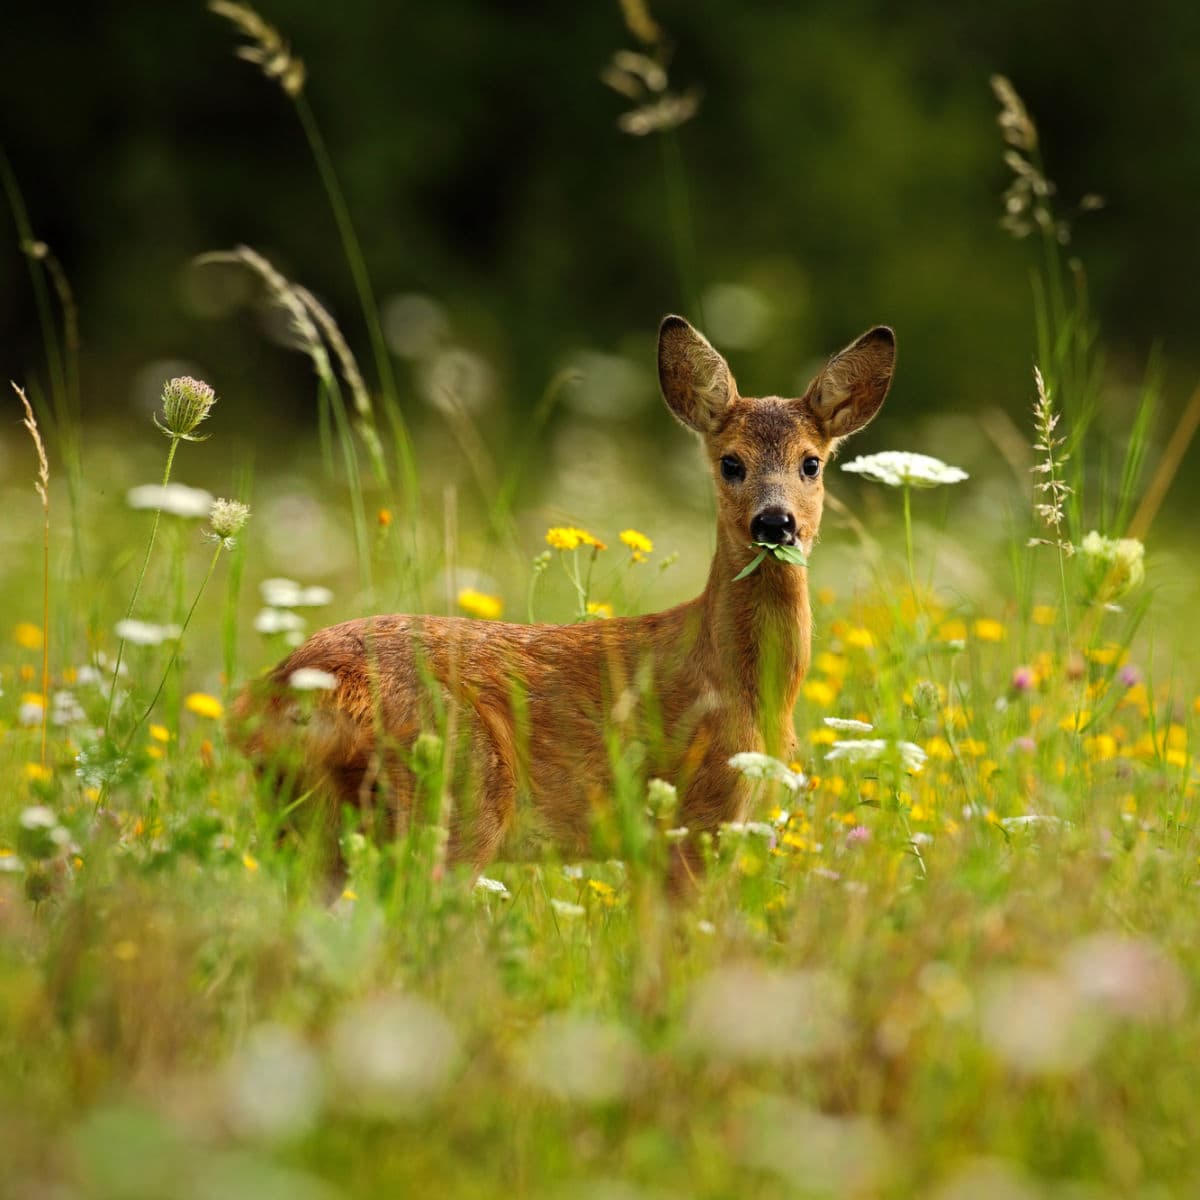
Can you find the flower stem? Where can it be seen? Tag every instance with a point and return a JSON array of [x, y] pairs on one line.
[[212, 566], [137, 587], [908, 547]]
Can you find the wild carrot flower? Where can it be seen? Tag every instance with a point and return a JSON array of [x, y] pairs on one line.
[[186, 402], [312, 679], [287, 593], [902, 468], [145, 633], [754, 765], [227, 519]]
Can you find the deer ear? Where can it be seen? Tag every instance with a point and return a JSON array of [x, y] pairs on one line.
[[696, 381], [853, 383]]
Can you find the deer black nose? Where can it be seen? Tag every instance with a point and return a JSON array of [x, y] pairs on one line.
[[775, 525]]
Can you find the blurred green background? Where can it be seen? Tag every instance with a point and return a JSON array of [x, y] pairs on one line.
[[844, 168]]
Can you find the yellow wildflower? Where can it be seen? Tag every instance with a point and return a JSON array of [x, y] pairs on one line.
[[28, 636], [384, 517], [819, 692], [639, 544], [349, 894], [204, 705], [1076, 721], [860, 638], [952, 631], [568, 537], [831, 664], [1102, 747], [599, 608], [250, 862], [826, 596], [1044, 614], [160, 733], [480, 604], [1108, 654], [972, 747], [822, 736], [37, 773], [989, 630], [938, 747]]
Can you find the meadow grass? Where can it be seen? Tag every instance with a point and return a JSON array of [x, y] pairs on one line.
[[951, 953]]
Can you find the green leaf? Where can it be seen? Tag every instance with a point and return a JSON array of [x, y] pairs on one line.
[[790, 554], [751, 567]]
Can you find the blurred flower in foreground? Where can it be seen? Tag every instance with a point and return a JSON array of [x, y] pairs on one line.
[[175, 498], [312, 679], [846, 725], [28, 636], [1037, 1023], [1111, 566], [580, 1058], [479, 604], [902, 468], [273, 1085], [746, 1014], [1130, 977], [391, 1053]]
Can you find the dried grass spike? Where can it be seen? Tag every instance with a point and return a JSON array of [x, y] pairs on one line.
[[270, 53]]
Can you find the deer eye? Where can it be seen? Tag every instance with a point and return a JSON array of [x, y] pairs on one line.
[[811, 467], [731, 467]]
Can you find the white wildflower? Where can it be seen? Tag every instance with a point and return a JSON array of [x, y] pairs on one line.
[[749, 829], [146, 633], [175, 498], [1112, 566], [37, 816], [65, 709], [676, 835], [484, 884], [1033, 819], [912, 757], [565, 908], [287, 593], [902, 468], [754, 765], [312, 679], [30, 712], [846, 725], [278, 620]]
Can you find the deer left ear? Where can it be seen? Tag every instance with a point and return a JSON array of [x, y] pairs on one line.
[[853, 383]]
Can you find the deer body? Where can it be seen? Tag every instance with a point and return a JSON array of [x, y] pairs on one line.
[[532, 708]]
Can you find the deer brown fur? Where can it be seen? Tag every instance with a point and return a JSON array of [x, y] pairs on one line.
[[532, 706]]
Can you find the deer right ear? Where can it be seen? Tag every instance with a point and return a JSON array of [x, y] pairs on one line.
[[696, 381]]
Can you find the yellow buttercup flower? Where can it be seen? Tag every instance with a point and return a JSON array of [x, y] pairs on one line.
[[28, 636], [480, 604], [160, 733], [599, 608], [639, 544], [204, 705]]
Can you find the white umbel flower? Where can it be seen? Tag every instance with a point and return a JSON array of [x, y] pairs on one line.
[[278, 620], [287, 593], [903, 468], [312, 679], [912, 757], [846, 725], [762, 766]]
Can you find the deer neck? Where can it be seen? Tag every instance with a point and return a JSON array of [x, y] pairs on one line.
[[760, 629]]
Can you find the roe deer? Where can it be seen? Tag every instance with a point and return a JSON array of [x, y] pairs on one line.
[[531, 704]]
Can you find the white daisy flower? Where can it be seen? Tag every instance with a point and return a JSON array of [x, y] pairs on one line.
[[762, 766], [846, 725], [176, 498], [146, 633], [902, 468], [312, 679], [565, 908]]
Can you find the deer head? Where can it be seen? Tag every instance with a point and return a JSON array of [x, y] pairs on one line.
[[768, 456]]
